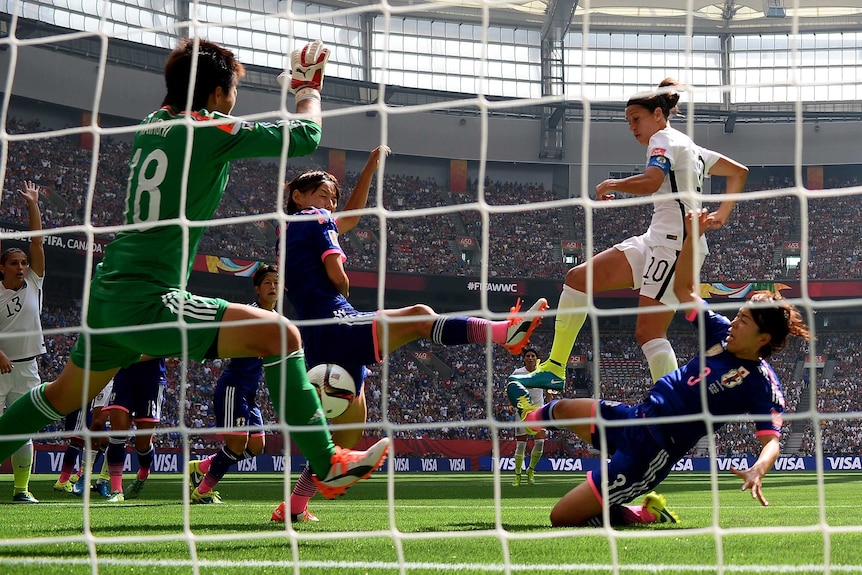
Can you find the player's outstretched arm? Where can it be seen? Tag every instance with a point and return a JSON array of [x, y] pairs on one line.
[[736, 175], [307, 67], [753, 478], [30, 193], [359, 196]]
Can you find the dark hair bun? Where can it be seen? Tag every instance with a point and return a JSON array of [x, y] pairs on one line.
[[671, 97]]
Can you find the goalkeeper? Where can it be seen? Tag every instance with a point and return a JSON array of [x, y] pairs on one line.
[[179, 167], [737, 379]]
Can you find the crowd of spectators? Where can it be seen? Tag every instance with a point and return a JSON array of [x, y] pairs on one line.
[[521, 242]]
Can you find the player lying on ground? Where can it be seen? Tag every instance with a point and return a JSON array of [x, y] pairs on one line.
[[737, 379], [139, 281]]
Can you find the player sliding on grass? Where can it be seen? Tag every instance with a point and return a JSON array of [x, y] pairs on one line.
[[737, 380], [646, 262], [139, 281], [318, 288]]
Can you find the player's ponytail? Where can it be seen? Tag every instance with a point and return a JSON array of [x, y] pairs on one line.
[[666, 100], [779, 321]]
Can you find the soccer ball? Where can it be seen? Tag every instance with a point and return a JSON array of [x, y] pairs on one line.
[[335, 386]]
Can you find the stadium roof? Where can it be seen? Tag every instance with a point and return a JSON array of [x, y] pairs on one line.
[[708, 15]]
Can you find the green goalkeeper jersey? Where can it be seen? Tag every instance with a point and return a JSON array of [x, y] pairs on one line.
[[155, 257]]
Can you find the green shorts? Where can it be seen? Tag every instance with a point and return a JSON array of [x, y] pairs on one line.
[[110, 348]]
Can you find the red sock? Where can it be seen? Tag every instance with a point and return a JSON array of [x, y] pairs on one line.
[[302, 492], [205, 464]]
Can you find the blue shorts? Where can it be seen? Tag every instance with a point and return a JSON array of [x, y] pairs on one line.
[[637, 462], [139, 390], [236, 405], [75, 421], [351, 343]]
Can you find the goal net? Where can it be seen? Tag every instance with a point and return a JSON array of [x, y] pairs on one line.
[[503, 117]]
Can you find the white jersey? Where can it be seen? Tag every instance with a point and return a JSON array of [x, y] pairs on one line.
[[537, 394], [20, 321], [685, 165]]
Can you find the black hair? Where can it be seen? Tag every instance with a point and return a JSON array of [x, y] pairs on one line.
[[261, 272], [528, 350], [216, 67], [306, 183], [778, 321], [665, 100]]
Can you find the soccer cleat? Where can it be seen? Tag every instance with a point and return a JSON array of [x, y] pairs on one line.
[[63, 487], [520, 399], [518, 335], [517, 480], [135, 489], [78, 488], [278, 513], [656, 504], [24, 497], [531, 476], [116, 497], [545, 377], [208, 498], [303, 517], [195, 475], [103, 488], [74, 478], [348, 467]]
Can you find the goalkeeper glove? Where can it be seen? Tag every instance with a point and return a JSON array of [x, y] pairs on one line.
[[306, 70]]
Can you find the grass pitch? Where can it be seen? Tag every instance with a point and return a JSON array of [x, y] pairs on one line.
[[435, 523]]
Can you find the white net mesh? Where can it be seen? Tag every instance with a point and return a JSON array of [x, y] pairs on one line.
[[468, 97]]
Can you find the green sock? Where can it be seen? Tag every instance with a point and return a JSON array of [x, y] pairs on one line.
[[301, 407], [568, 325], [520, 449], [29, 414], [22, 464], [537, 452]]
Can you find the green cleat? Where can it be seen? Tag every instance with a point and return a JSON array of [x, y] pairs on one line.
[[135, 489], [547, 376], [24, 497], [656, 504], [531, 476], [195, 475], [205, 498], [63, 487], [520, 399], [116, 497], [517, 480]]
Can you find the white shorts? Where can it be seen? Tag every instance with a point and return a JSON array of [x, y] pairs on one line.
[[653, 268], [17, 383], [537, 396], [101, 400]]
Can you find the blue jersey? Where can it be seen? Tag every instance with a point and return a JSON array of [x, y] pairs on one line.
[[309, 289], [733, 386], [351, 342], [243, 372]]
